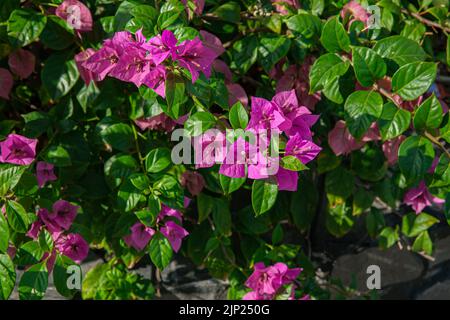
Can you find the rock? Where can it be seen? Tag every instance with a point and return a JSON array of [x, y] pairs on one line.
[[183, 280], [438, 291], [401, 271]]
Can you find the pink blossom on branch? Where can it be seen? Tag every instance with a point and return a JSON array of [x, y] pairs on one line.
[[356, 11], [267, 282], [44, 173], [73, 246], [280, 5], [17, 149], [419, 198], [85, 73], [139, 237], [174, 233], [193, 181]]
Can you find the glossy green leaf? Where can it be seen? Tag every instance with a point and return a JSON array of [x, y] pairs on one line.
[[264, 194], [393, 121], [413, 79], [362, 109]]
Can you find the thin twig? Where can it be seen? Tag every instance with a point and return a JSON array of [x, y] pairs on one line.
[[437, 142], [426, 21]]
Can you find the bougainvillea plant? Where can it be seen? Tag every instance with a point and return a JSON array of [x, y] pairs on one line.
[[96, 95]]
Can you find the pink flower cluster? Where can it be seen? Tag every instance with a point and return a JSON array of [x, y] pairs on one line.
[[57, 222], [268, 282], [282, 114], [141, 235], [145, 62]]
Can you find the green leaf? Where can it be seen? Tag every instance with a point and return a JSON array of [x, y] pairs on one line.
[[17, 216], [369, 164], [340, 182], [222, 217], [374, 222], [25, 26], [368, 66], [116, 134], [58, 155], [429, 114], [416, 155], [388, 237], [326, 70], [400, 49], [205, 206], [7, 276], [303, 206], [128, 196], [230, 185], [34, 282], [339, 220], [413, 30], [199, 122], [272, 48], [362, 109], [334, 38], [238, 116], [229, 12], [160, 251], [157, 160], [29, 253], [4, 234], [175, 94], [9, 177], [292, 163], [264, 194], [244, 53], [306, 24], [140, 181], [362, 200], [57, 34], [59, 75], [441, 176], [413, 79], [423, 243], [119, 167], [277, 234], [36, 123], [147, 217], [393, 121], [413, 224], [61, 275]]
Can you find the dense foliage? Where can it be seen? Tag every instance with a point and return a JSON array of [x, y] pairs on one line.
[[91, 92]]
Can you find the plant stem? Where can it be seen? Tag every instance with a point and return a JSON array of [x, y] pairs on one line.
[[437, 142], [426, 21], [138, 148]]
